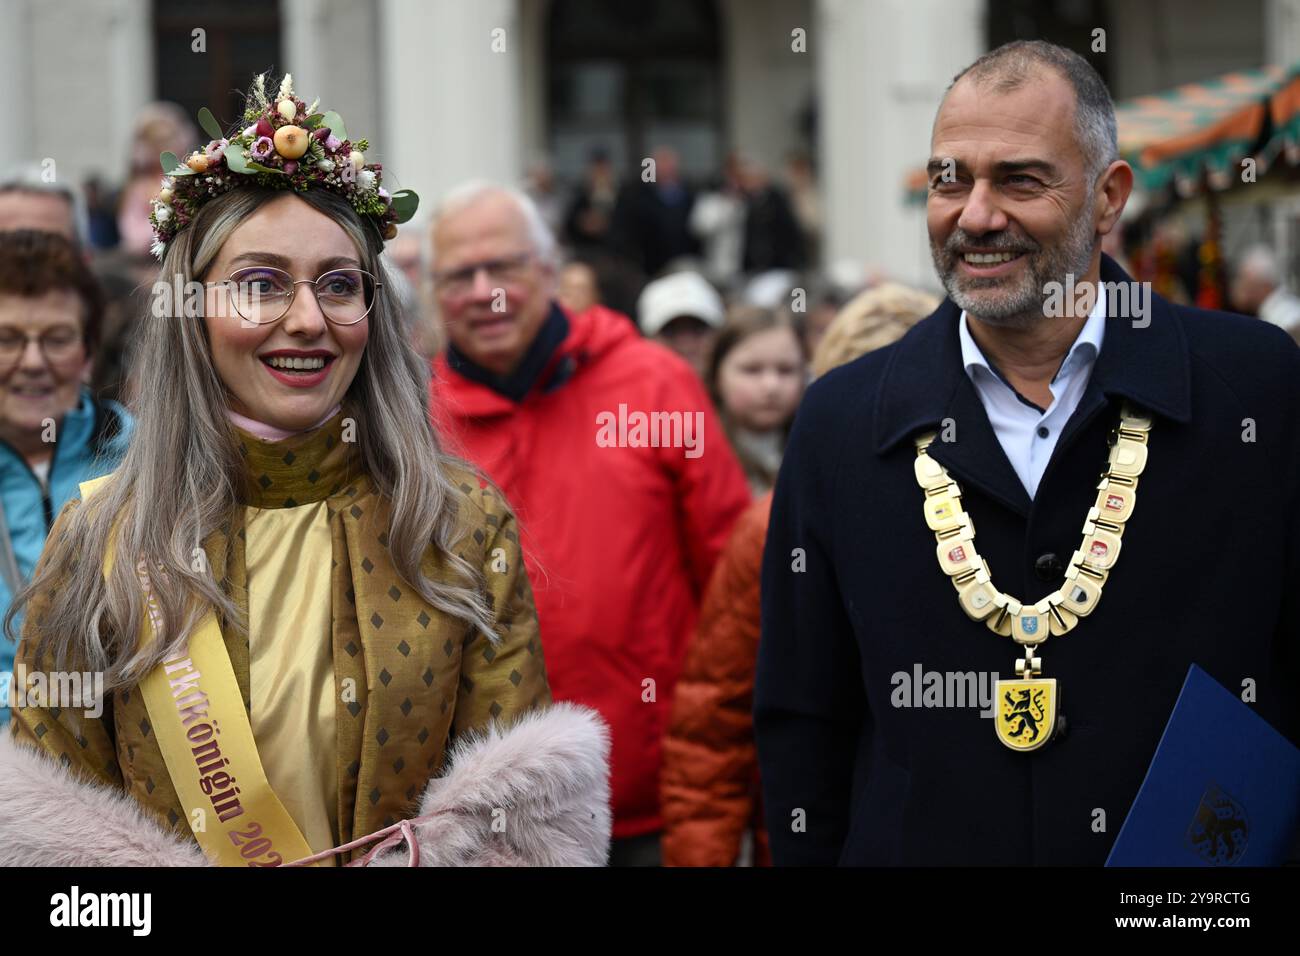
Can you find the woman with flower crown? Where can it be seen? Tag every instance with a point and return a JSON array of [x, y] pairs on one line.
[[297, 600]]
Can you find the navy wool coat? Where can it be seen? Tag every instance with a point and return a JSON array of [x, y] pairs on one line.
[[1209, 572]]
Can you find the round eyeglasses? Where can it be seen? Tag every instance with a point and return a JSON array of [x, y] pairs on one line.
[[507, 271], [57, 345], [262, 294]]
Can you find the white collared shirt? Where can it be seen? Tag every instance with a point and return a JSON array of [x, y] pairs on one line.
[[1028, 434]]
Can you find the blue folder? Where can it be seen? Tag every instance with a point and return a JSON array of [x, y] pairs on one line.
[[1223, 788]]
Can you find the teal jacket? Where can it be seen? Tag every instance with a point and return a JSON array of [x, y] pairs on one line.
[[90, 442]]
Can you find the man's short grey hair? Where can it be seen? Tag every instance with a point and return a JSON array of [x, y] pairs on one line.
[[469, 193], [1261, 263], [29, 178], [1012, 65]]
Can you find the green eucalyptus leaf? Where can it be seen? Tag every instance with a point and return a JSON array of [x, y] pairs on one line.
[[169, 162], [313, 121], [259, 168], [179, 169], [236, 161], [209, 123], [335, 123], [405, 203]]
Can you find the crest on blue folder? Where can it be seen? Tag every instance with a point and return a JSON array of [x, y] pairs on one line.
[[1219, 832]]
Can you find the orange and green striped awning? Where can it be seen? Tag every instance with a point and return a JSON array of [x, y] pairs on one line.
[[1208, 127]]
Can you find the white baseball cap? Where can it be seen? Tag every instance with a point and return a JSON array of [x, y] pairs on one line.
[[677, 295]]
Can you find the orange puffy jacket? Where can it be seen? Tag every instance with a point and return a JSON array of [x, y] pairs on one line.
[[709, 789]]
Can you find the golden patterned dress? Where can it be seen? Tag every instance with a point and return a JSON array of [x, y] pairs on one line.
[[354, 684]]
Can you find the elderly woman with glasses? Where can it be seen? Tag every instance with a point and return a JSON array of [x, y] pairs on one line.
[[54, 433], [304, 600]]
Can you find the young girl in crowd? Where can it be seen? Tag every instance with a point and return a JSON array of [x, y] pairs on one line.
[[756, 378]]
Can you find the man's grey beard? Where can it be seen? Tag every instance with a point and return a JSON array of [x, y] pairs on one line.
[[1020, 306]]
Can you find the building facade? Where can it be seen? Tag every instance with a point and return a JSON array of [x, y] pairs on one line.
[[456, 89]]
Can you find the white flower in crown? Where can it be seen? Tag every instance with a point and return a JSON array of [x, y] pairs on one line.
[[161, 212], [366, 180], [157, 248], [286, 87]]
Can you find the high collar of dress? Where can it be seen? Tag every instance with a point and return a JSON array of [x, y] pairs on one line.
[[288, 469]]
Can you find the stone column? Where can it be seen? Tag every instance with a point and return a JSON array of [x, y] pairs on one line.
[[16, 85], [882, 68], [450, 78], [1282, 32], [331, 47], [131, 77]]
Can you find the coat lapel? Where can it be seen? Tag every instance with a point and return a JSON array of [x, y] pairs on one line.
[[925, 386], [975, 456]]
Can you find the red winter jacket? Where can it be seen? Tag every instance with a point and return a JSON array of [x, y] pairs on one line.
[[619, 541]]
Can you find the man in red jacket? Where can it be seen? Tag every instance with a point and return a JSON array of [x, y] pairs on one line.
[[607, 447]]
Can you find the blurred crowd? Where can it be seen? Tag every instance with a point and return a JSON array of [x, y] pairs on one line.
[[626, 288]]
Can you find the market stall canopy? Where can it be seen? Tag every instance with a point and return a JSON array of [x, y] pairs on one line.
[[1208, 127]]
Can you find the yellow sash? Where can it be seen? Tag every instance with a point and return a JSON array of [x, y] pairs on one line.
[[198, 717]]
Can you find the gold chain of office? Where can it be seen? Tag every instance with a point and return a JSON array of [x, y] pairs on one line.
[[1028, 704]]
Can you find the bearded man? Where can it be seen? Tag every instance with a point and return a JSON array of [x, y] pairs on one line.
[[929, 695]]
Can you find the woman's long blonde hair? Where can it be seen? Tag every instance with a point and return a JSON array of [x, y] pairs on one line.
[[182, 472], [871, 320]]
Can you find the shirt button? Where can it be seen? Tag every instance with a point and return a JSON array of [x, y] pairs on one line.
[[1048, 567], [1043, 431]]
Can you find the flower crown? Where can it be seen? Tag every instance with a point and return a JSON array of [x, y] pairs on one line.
[[285, 144]]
